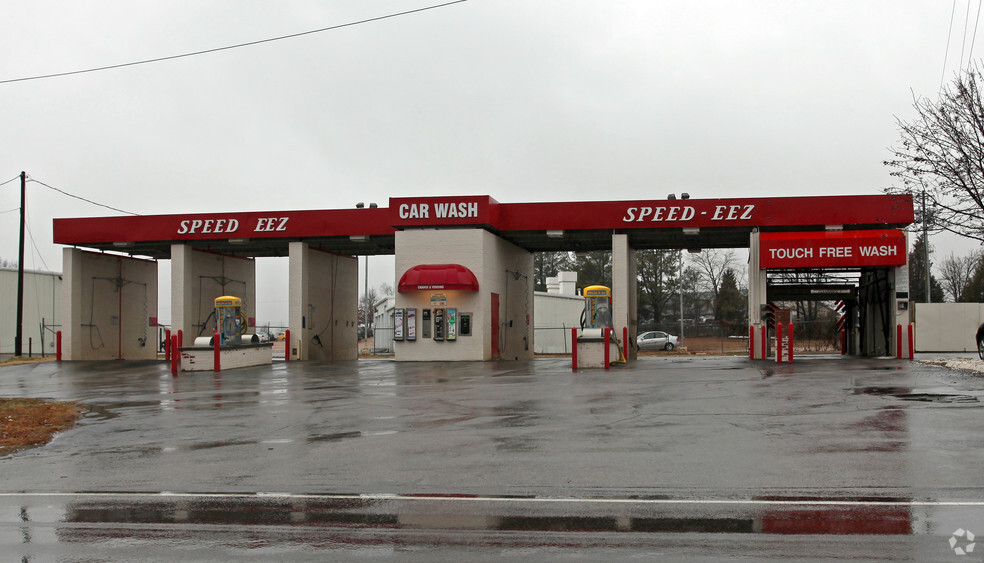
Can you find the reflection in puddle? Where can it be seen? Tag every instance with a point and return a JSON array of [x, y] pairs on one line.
[[456, 512]]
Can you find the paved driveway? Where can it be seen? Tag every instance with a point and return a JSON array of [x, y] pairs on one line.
[[721, 446]]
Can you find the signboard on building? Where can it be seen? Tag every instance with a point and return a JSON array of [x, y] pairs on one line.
[[832, 249]]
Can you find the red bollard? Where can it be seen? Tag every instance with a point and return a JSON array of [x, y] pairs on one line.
[[625, 343], [287, 345], [898, 342], [175, 355], [789, 351], [912, 348], [751, 342], [608, 351], [167, 345], [779, 343], [216, 364], [180, 338], [58, 348], [573, 349]]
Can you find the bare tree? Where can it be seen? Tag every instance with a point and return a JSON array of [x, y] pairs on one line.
[[955, 274], [712, 264], [941, 158]]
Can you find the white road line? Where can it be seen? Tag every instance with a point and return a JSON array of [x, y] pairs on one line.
[[516, 500]]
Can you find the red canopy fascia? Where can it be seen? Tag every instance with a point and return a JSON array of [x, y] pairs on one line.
[[438, 276]]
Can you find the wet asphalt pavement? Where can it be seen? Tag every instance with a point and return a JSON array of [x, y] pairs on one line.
[[671, 458]]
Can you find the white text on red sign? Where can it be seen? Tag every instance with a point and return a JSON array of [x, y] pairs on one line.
[[448, 210], [832, 252], [206, 226], [686, 213]]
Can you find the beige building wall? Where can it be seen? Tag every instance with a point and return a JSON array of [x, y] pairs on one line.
[[323, 305], [197, 278], [500, 267], [108, 302]]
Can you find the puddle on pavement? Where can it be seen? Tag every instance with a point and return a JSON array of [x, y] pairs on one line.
[[937, 398], [99, 414], [334, 437], [906, 394]]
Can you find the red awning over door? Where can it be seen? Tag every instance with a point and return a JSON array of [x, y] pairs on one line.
[[438, 276]]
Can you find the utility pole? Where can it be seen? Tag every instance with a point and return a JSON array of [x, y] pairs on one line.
[[929, 296], [19, 329]]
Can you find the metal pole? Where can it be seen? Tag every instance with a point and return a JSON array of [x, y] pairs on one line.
[[19, 328], [681, 299], [929, 297]]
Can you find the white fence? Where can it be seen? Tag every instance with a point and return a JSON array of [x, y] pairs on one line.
[[947, 327]]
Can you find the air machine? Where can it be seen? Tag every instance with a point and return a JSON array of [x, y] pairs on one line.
[[597, 316], [234, 349], [230, 320], [597, 313]]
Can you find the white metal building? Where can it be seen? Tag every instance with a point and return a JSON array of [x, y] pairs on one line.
[[42, 307]]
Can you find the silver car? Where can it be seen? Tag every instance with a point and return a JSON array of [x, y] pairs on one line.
[[657, 340]]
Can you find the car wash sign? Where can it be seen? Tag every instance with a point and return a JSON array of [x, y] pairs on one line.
[[832, 249], [462, 210]]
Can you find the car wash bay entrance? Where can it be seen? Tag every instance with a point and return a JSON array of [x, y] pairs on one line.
[[470, 258], [864, 272]]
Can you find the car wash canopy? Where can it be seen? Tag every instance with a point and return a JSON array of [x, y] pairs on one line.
[[544, 226]]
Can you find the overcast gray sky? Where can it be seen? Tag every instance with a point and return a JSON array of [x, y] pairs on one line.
[[522, 100]]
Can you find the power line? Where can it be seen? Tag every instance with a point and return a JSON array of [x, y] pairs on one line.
[[17, 177], [946, 54], [229, 47], [973, 38], [963, 42], [37, 250], [79, 197]]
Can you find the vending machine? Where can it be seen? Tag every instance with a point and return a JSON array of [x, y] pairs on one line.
[[439, 324]]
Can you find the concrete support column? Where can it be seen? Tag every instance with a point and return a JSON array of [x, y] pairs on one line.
[[298, 283], [71, 303], [322, 304], [182, 298], [900, 301], [900, 304], [625, 290], [757, 297]]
